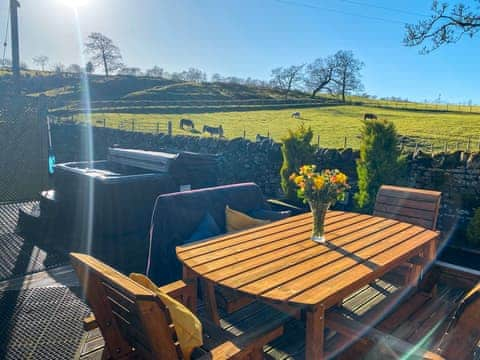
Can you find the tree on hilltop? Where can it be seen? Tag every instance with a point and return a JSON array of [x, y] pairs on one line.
[[103, 52], [346, 75], [286, 78], [41, 61]]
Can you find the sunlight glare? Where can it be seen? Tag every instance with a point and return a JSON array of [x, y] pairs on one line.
[[75, 3]]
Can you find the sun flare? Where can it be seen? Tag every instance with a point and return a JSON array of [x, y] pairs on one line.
[[75, 3]]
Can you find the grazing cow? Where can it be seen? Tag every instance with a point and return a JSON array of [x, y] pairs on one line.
[[186, 122], [370, 116], [213, 130], [260, 138], [296, 115]]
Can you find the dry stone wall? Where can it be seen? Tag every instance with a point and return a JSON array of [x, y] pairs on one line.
[[457, 174]]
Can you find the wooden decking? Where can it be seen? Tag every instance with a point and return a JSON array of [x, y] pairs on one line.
[[414, 319]]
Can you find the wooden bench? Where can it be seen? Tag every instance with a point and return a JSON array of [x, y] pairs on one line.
[[135, 323]]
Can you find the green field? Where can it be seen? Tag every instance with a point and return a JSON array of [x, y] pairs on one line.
[[331, 123]]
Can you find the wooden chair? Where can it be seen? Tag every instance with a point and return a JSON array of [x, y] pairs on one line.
[[135, 323], [415, 206]]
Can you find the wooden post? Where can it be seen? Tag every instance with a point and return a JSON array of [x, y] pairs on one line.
[[158, 127], [445, 147], [314, 333], [469, 143], [133, 124], [104, 122], [345, 143], [169, 128], [318, 141], [244, 134]]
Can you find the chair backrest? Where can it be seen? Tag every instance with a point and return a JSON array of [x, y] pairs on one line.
[[132, 319], [415, 206]]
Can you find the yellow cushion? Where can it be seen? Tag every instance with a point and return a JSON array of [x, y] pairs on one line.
[[236, 220], [187, 325]]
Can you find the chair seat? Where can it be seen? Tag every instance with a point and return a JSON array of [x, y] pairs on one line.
[[244, 325]]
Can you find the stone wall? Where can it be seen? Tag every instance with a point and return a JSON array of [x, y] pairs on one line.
[[457, 175]]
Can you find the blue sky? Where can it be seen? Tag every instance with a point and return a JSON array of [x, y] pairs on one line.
[[250, 37]]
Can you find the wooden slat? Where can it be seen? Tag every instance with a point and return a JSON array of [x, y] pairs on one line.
[[290, 245], [277, 271], [241, 273], [411, 220], [306, 274], [410, 193], [338, 286], [246, 241], [407, 203], [356, 330], [403, 211]]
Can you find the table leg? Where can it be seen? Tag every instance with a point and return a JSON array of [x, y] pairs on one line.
[[314, 333], [191, 279], [210, 301], [430, 253]]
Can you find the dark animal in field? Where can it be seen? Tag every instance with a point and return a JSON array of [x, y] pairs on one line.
[[370, 116], [186, 122], [296, 115], [260, 138], [213, 130]]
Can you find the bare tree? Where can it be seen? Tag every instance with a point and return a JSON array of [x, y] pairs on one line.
[[130, 71], [194, 75], [216, 78], [319, 75], [74, 69], [446, 25], [156, 71], [346, 76], [103, 52], [58, 68], [41, 61], [286, 78]]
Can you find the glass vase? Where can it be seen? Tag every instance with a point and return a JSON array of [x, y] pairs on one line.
[[319, 210]]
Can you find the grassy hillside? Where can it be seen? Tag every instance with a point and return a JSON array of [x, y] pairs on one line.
[[331, 123]]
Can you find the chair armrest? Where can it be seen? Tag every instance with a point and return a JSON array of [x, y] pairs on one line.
[[180, 291], [90, 323]]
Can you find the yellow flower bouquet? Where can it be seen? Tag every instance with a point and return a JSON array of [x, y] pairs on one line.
[[320, 190]]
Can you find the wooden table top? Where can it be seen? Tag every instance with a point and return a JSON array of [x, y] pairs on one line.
[[279, 262]]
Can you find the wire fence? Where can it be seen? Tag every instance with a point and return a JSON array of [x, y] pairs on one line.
[[417, 142]]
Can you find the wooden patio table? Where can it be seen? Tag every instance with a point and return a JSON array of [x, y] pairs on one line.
[[278, 263]]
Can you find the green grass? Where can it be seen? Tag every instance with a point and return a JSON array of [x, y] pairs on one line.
[[332, 124]]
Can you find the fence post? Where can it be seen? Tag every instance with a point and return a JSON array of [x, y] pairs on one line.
[[469, 143], [318, 141], [104, 122], [244, 134], [133, 124], [458, 145], [268, 133], [169, 128], [158, 127], [345, 143], [445, 147]]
